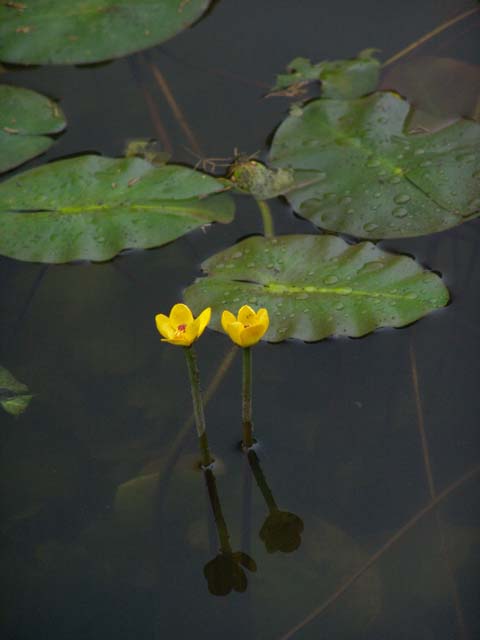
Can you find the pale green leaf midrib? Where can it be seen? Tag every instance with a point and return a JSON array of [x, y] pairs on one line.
[[290, 289], [336, 291], [78, 210]]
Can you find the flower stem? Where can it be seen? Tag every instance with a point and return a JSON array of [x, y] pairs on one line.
[[267, 218], [198, 405], [247, 398]]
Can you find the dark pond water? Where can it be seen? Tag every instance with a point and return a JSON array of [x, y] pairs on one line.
[[107, 527]]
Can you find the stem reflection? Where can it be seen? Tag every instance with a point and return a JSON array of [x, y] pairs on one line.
[[282, 530], [226, 571]]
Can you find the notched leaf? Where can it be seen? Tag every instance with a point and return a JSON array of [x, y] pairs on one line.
[[317, 286], [91, 208], [358, 171]]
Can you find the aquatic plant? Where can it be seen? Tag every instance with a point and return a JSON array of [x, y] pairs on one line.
[[182, 329], [245, 330]]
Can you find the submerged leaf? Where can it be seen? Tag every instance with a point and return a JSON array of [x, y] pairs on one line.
[[25, 119], [359, 172], [329, 557], [14, 396], [317, 286], [340, 78], [92, 208], [85, 31], [148, 150], [442, 87]]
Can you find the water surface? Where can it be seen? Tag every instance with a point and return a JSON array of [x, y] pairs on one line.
[[107, 526]]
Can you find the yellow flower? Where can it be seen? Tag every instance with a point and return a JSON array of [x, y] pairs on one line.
[[181, 328], [248, 327]]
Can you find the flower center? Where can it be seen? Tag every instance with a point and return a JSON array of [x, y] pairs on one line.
[[181, 328]]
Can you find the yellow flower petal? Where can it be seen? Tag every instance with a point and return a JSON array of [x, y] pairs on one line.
[[251, 335], [263, 318], [234, 330], [180, 341], [164, 326], [202, 320], [180, 314], [227, 319], [246, 315]]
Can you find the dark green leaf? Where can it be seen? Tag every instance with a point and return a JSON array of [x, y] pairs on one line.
[[317, 286], [340, 78], [92, 208], [85, 31], [359, 172], [25, 119], [14, 396]]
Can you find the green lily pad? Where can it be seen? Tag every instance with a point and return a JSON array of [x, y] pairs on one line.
[[91, 208], [317, 286], [358, 171], [86, 31], [340, 78], [25, 119], [14, 396]]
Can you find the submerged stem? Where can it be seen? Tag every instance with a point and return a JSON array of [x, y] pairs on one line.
[[198, 405], [267, 218], [247, 398]]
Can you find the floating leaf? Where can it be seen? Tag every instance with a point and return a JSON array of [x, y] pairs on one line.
[[359, 172], [340, 78], [317, 286], [25, 119], [92, 208], [14, 396], [85, 31]]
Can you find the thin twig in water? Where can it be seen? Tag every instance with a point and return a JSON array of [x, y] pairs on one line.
[[432, 491], [215, 71], [151, 106], [383, 549], [428, 36], [177, 112]]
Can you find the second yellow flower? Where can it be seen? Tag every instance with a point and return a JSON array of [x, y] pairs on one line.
[[248, 327]]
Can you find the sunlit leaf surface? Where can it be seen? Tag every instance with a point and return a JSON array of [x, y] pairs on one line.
[[84, 31], [317, 286], [92, 207], [26, 117], [14, 395], [358, 171]]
